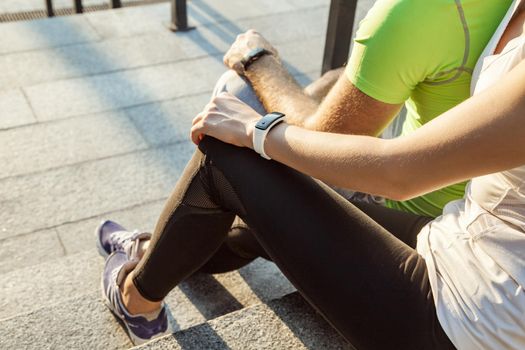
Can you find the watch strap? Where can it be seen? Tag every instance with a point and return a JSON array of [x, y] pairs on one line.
[[253, 56], [261, 130]]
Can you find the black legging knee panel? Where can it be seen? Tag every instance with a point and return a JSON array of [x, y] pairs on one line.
[[370, 285]]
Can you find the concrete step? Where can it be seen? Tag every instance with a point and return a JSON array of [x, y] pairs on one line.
[[58, 303], [73, 193], [286, 323]]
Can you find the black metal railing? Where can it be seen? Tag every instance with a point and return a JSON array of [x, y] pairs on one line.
[[179, 16], [339, 33], [79, 8]]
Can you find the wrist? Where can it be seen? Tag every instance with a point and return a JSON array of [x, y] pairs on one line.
[[264, 63], [248, 142], [261, 130]]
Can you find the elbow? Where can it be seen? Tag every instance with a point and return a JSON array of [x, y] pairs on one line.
[[397, 191], [398, 181], [399, 196], [401, 187]]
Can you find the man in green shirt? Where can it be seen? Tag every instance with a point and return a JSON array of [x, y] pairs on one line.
[[417, 53]]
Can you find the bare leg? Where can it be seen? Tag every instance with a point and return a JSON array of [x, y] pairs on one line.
[[133, 301]]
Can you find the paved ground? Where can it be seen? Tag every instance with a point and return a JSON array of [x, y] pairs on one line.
[[94, 116]]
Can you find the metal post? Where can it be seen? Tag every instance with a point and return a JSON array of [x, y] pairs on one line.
[[49, 8], [338, 33], [179, 16], [78, 6], [116, 4]]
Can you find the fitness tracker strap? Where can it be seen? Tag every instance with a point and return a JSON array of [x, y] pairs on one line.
[[262, 128], [253, 56]]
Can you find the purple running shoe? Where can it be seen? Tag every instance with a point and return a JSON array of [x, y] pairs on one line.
[[140, 328], [112, 237]]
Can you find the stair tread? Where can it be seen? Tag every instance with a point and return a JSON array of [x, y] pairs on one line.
[[285, 323], [45, 307]]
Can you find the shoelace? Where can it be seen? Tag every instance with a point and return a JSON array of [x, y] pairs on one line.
[[118, 239], [127, 241]]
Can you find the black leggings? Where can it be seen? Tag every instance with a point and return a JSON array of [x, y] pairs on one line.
[[370, 285]]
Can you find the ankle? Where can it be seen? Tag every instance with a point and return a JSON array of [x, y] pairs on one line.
[[143, 246], [133, 301]]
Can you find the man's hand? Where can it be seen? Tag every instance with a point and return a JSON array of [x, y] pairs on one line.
[[242, 46]]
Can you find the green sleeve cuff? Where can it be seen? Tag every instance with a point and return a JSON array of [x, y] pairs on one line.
[[372, 90]]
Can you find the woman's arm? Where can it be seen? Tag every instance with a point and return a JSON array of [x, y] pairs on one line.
[[485, 134]]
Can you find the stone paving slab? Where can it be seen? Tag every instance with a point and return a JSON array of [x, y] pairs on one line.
[[33, 287], [287, 323], [202, 12], [286, 28], [78, 236], [279, 29], [168, 121], [40, 146], [309, 3], [303, 57], [14, 109], [28, 250], [133, 21], [41, 246], [45, 33], [34, 67], [33, 202], [79, 323], [123, 89]]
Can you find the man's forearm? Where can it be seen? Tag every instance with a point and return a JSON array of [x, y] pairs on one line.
[[279, 91], [332, 104]]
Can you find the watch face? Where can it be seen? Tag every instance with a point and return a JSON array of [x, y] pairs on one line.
[[268, 120]]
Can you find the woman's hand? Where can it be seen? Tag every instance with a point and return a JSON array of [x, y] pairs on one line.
[[226, 118]]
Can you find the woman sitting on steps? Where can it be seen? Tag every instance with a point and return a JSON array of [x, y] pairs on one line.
[[460, 285]]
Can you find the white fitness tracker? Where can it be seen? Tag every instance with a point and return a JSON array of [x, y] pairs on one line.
[[262, 128]]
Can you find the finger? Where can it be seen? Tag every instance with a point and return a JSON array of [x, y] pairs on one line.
[[197, 133], [197, 119], [227, 56]]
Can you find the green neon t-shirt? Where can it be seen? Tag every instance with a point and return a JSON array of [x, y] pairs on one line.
[[422, 53]]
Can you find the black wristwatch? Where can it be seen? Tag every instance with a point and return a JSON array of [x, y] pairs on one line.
[[253, 56]]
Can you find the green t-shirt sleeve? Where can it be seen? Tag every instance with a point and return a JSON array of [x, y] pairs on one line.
[[388, 58]]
